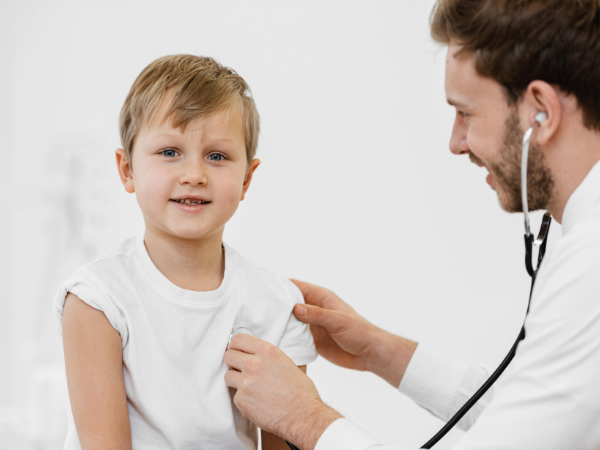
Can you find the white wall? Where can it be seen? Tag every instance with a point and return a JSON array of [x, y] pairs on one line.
[[357, 190]]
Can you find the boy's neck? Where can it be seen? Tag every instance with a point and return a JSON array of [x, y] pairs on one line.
[[194, 265]]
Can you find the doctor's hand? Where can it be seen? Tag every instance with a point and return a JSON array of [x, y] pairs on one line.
[[349, 340], [274, 393]]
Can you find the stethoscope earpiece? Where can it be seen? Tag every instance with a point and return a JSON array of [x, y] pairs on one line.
[[541, 117]]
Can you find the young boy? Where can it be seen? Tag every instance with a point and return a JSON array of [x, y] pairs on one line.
[[146, 325]]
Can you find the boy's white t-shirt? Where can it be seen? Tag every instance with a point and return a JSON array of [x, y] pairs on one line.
[[174, 340]]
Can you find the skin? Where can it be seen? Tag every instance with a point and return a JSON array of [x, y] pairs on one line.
[[207, 159], [569, 150]]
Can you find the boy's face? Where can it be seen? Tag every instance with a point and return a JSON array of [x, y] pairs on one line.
[[205, 166]]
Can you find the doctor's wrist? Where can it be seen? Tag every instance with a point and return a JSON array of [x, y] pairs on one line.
[[389, 356], [314, 425]]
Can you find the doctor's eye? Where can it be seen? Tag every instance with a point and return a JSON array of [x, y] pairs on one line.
[[169, 152], [216, 157]]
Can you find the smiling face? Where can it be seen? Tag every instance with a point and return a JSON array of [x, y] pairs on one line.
[[189, 183], [488, 129]]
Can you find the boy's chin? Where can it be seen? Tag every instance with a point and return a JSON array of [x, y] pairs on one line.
[[194, 235], [190, 233]]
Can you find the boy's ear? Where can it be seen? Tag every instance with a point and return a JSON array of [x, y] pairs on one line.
[[251, 168], [125, 172]]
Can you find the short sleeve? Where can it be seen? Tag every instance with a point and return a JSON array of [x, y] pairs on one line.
[[93, 292], [297, 341]]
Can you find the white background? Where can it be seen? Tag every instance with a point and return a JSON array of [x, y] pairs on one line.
[[357, 190]]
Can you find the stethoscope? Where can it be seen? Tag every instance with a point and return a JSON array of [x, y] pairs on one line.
[[530, 242]]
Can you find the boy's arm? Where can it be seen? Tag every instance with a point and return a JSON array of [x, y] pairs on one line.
[[270, 441], [94, 364]]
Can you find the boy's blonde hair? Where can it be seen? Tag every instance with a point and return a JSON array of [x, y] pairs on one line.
[[200, 86]]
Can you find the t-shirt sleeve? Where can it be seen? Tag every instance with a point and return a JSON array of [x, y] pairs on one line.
[[93, 292], [297, 341]]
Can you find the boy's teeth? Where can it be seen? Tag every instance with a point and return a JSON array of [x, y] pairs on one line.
[[191, 202]]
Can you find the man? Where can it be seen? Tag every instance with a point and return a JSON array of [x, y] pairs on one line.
[[507, 61]]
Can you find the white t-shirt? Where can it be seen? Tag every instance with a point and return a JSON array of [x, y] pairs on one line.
[[174, 340]]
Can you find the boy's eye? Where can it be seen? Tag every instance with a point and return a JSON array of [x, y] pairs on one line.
[[216, 157], [169, 152]]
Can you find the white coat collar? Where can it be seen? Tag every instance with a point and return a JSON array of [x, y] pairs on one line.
[[583, 200]]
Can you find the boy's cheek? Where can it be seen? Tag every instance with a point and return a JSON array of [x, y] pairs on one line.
[[151, 194], [227, 200], [228, 205]]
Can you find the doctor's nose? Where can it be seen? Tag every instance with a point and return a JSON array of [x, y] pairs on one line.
[[458, 140]]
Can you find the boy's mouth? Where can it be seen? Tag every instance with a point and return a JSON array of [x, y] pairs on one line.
[[191, 201]]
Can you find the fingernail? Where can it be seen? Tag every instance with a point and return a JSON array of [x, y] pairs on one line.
[[301, 310]]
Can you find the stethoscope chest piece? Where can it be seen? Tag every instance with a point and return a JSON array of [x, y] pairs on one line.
[[236, 331]]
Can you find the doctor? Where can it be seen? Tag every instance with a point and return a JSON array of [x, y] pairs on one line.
[[507, 61]]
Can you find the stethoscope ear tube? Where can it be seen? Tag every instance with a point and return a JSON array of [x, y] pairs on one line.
[[539, 118], [524, 161]]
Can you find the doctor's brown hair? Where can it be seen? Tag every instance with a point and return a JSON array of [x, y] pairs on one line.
[[518, 41], [200, 87]]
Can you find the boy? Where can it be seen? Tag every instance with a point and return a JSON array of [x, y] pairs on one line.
[[145, 326]]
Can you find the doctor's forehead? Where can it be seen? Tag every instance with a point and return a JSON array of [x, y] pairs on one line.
[[465, 88], [460, 77]]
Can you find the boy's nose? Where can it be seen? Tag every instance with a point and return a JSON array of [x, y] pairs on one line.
[[194, 174]]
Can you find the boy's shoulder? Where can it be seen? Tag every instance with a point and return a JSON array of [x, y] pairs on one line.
[[124, 250], [257, 275], [110, 262]]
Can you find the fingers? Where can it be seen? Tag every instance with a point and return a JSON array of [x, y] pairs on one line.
[[313, 295], [320, 296], [333, 321], [235, 359], [302, 285], [246, 343], [233, 378]]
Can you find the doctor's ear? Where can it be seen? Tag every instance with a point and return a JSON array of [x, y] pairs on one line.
[[125, 170], [544, 106]]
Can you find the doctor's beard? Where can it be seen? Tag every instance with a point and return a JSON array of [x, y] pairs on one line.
[[507, 171]]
